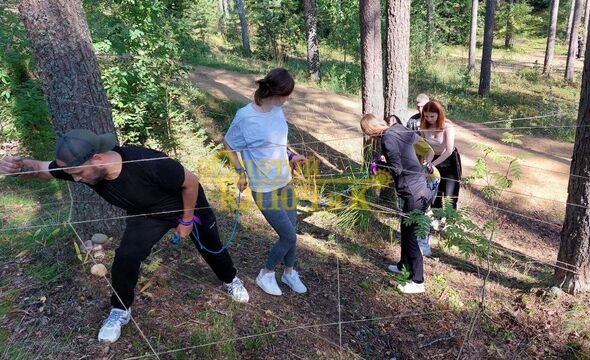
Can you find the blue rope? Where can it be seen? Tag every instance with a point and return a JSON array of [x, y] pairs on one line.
[[176, 239]]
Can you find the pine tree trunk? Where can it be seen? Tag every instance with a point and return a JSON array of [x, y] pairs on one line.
[[313, 52], [550, 50], [586, 23], [574, 248], [244, 26], [473, 36], [573, 41], [398, 58], [68, 69], [570, 21], [486, 57], [371, 64], [509, 41], [430, 25]]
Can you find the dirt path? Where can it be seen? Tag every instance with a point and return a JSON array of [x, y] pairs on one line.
[[333, 120]]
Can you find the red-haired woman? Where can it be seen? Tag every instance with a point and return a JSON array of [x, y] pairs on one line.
[[439, 132]]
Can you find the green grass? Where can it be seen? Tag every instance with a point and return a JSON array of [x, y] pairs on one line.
[[219, 327]]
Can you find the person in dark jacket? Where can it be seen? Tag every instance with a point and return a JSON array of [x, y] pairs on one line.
[[414, 120], [397, 145]]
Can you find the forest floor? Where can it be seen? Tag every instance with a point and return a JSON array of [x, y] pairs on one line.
[[51, 307]]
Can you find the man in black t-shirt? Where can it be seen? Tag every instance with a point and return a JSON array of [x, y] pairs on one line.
[[157, 192], [414, 121]]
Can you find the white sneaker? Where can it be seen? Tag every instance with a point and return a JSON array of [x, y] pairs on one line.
[[268, 283], [394, 269], [237, 290], [411, 288], [424, 244], [111, 327], [294, 282]]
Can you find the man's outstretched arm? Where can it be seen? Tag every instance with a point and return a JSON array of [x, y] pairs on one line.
[[14, 165]]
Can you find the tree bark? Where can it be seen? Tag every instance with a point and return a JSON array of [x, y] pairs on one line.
[[244, 26], [68, 69], [574, 248], [551, 32], [570, 20], [573, 41], [371, 64], [473, 36], [509, 41], [398, 58], [586, 23], [430, 25], [313, 52], [486, 57]]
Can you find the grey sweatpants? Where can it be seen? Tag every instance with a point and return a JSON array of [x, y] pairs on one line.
[[279, 208]]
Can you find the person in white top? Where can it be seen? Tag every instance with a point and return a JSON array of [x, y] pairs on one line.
[[439, 132], [258, 133]]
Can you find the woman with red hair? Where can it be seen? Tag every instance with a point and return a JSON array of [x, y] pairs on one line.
[[439, 132]]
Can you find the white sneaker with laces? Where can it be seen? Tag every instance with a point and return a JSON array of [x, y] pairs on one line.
[[111, 327], [268, 283], [237, 290], [394, 269], [411, 288], [294, 282]]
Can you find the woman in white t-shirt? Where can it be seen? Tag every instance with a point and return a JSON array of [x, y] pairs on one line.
[[259, 133]]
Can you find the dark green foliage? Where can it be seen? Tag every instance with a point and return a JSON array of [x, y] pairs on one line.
[[140, 57], [23, 111], [279, 27]]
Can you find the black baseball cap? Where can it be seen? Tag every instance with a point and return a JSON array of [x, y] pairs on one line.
[[79, 145]]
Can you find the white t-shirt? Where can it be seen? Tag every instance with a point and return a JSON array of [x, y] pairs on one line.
[[261, 139]]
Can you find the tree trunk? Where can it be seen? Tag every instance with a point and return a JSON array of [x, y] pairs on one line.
[[430, 24], [313, 52], [398, 58], [371, 64], [574, 248], [550, 50], [68, 69], [573, 41], [244, 26], [473, 35], [586, 23], [509, 41], [486, 56], [570, 20]]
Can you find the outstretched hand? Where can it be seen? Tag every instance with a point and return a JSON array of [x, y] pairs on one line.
[[10, 165]]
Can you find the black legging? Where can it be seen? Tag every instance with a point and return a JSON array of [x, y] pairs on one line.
[[450, 176], [411, 256]]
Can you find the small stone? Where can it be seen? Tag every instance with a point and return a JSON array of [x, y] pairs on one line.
[[99, 255], [99, 238], [97, 248], [98, 270]]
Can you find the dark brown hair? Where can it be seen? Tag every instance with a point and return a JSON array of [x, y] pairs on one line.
[[278, 82]]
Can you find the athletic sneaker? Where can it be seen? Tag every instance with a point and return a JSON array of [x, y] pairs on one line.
[[394, 269], [294, 282], [111, 327], [237, 290], [411, 288], [424, 244], [268, 283]]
